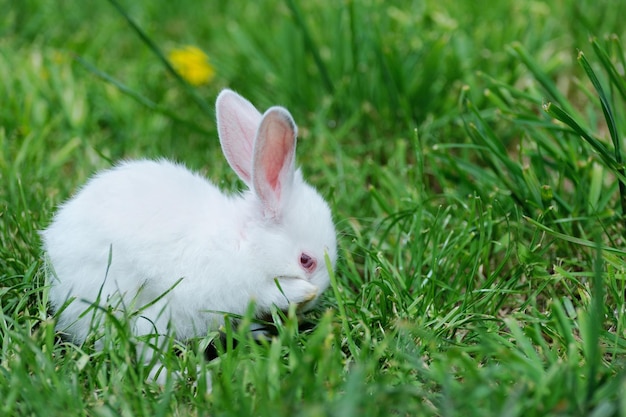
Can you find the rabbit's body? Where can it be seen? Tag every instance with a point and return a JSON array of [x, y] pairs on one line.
[[175, 224], [153, 230]]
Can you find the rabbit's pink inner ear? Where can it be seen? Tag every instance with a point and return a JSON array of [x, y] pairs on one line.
[[274, 159], [237, 123], [279, 158]]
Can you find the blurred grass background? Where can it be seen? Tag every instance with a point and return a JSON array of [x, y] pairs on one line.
[[482, 257]]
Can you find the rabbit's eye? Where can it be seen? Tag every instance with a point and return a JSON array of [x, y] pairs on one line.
[[307, 262]]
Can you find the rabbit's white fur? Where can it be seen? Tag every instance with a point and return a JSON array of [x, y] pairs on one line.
[[160, 223]]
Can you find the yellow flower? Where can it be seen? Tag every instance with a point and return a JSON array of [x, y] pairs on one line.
[[192, 64]]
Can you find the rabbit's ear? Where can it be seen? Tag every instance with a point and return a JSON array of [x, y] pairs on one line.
[[237, 123], [274, 154]]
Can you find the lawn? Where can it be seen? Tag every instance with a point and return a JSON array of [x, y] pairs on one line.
[[471, 154]]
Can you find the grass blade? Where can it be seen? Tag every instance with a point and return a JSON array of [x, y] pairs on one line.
[[620, 84], [157, 51], [496, 155], [604, 153], [572, 239], [595, 318], [606, 106], [310, 44], [341, 307], [543, 78], [138, 97], [614, 74]]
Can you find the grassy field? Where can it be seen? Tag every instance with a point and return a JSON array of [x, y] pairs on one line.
[[472, 157]]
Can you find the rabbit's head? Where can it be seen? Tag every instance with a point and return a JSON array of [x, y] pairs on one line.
[[289, 228]]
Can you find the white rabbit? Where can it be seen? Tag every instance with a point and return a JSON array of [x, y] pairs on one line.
[[133, 231]]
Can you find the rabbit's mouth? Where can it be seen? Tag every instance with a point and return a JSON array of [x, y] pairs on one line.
[[297, 290]]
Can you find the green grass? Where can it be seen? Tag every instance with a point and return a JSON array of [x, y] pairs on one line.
[[472, 157]]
